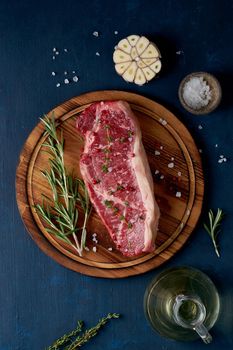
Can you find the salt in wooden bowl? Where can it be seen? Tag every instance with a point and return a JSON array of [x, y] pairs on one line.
[[215, 88]]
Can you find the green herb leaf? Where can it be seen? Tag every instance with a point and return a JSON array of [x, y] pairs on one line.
[[105, 168], [107, 203], [66, 190], [69, 341], [213, 228]]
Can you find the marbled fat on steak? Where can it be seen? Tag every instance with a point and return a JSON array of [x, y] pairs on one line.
[[116, 172]]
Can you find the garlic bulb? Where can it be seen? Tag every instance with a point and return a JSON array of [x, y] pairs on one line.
[[137, 59]]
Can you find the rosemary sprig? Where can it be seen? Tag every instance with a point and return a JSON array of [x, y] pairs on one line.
[[212, 229], [61, 213], [69, 342]]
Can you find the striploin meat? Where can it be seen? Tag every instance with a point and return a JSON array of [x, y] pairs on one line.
[[116, 172]]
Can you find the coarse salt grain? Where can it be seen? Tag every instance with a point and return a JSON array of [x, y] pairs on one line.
[[178, 194], [57, 53], [73, 71], [179, 173], [66, 81], [53, 74], [94, 249], [65, 50], [75, 79], [156, 172], [97, 53], [200, 127], [196, 93], [54, 49], [95, 33], [157, 153], [161, 147], [115, 32], [58, 85], [216, 145], [53, 57], [110, 249], [65, 73], [188, 212], [171, 165], [162, 177], [164, 122], [172, 158]]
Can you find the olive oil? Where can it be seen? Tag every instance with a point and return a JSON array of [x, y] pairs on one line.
[[178, 299]]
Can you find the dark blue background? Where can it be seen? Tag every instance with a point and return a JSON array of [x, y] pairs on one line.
[[41, 300]]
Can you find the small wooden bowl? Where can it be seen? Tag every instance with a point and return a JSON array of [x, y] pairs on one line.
[[215, 90]]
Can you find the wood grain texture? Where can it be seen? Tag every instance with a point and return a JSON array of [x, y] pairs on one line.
[[161, 131]]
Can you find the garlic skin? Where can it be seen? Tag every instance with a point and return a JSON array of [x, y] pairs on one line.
[[137, 59]]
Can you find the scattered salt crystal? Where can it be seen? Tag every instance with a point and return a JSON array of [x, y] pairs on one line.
[[96, 34], [157, 153], [110, 169], [65, 73], [172, 158], [54, 57], [196, 93], [54, 49], [94, 249], [57, 53], [65, 50], [75, 79], [200, 150], [179, 173], [115, 47], [162, 177], [115, 32], [156, 172], [87, 249], [110, 249], [222, 159], [73, 71], [53, 73], [66, 81], [164, 122], [216, 145], [94, 234], [161, 147], [188, 212], [200, 127], [97, 53], [171, 165], [178, 194], [58, 85]]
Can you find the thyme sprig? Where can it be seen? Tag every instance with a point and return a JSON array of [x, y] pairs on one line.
[[213, 228], [60, 212], [72, 340]]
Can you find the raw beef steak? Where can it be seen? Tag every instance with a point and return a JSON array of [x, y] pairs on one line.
[[116, 172]]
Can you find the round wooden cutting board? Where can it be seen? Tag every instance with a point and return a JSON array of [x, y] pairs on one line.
[[178, 185]]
